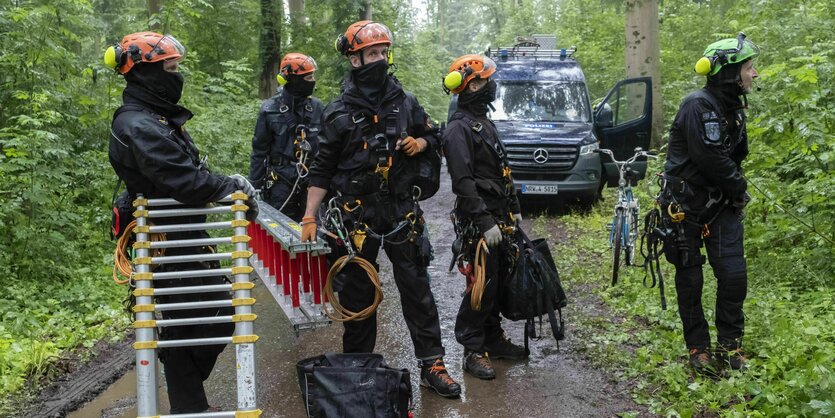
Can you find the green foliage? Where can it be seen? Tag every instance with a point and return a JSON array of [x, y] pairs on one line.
[[788, 332], [57, 99]]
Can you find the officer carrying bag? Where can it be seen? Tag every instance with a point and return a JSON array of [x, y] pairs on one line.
[[353, 385], [534, 288]]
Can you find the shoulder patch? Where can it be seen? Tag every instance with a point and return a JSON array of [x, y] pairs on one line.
[[712, 131], [706, 116]]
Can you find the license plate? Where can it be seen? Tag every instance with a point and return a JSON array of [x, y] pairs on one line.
[[539, 188]]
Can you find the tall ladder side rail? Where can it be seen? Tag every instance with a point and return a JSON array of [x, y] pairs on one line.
[[146, 359]]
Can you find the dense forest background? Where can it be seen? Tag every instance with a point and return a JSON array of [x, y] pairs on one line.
[[57, 99]]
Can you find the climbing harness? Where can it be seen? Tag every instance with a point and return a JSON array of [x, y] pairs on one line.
[[302, 154]]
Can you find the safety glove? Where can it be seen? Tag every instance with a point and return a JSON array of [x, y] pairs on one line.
[[493, 236], [517, 218], [308, 224], [411, 145], [245, 186]]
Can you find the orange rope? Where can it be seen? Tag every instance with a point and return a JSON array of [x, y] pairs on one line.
[[121, 262], [480, 266]]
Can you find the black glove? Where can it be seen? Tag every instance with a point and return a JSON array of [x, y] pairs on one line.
[[252, 212]]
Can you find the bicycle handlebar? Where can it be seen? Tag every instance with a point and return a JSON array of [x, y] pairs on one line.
[[638, 153]]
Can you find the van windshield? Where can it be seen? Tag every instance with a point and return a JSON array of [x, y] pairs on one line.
[[541, 101]]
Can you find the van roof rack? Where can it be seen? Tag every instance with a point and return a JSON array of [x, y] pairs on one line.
[[533, 48]]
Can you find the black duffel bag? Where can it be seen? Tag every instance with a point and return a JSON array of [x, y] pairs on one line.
[[534, 288], [353, 385]]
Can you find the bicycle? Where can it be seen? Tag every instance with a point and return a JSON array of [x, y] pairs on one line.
[[623, 232]]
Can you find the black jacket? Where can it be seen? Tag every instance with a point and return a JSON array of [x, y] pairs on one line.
[[708, 141], [275, 132], [353, 128], [152, 152], [477, 171]]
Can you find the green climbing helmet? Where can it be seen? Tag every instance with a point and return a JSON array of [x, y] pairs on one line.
[[726, 51]]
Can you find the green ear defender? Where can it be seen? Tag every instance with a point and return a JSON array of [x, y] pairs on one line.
[[390, 57]]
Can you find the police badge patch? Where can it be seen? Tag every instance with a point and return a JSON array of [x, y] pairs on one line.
[[712, 131]]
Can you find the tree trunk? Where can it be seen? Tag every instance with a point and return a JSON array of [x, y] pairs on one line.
[[154, 18], [642, 56], [269, 44], [297, 16], [365, 11]]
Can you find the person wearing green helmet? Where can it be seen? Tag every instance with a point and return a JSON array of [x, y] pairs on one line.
[[704, 197]]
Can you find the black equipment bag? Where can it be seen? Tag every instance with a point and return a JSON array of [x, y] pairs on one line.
[[353, 385], [533, 289]]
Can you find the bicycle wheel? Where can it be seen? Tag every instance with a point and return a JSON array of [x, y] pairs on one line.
[[617, 239]]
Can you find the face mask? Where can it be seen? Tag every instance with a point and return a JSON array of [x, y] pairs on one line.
[[299, 87], [151, 76], [371, 78], [479, 101]]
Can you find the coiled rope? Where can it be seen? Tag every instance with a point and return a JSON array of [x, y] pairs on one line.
[[121, 261], [340, 313]]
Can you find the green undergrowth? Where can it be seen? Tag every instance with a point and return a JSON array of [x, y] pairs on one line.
[[46, 320], [789, 334]]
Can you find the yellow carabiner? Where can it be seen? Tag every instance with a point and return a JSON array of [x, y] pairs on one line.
[[357, 204], [678, 216]]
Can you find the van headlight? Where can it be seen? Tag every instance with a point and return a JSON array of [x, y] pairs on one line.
[[588, 149]]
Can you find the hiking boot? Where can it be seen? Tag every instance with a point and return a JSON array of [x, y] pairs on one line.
[[503, 348], [732, 358], [434, 375], [703, 362], [478, 365]]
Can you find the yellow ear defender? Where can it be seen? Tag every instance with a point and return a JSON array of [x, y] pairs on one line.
[[703, 66], [113, 56], [282, 75], [455, 79]]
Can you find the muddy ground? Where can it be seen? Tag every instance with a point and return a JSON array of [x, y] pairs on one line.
[[551, 383]]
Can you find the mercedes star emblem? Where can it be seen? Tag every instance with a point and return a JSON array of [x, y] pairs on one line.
[[540, 155]]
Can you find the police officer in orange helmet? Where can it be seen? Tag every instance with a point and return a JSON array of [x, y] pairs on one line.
[[371, 134], [152, 152], [287, 137]]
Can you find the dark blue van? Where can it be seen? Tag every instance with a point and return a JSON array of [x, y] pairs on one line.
[[546, 121]]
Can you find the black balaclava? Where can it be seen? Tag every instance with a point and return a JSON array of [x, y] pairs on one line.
[[725, 86], [298, 87], [371, 79], [478, 102], [151, 76]]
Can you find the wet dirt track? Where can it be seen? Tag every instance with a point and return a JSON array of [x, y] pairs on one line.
[[550, 383]]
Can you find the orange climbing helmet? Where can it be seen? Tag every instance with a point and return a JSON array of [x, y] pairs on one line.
[[143, 47], [361, 35], [295, 63], [465, 69]]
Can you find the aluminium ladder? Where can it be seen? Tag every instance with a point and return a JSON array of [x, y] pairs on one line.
[[146, 324]]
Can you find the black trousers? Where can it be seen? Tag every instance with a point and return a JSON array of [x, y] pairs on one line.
[[187, 367], [476, 328], [726, 255], [409, 261]]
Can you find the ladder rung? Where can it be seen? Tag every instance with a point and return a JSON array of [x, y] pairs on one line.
[[193, 342], [192, 289], [192, 273], [190, 242], [192, 305], [190, 227], [194, 321], [167, 213], [187, 258], [173, 202]]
